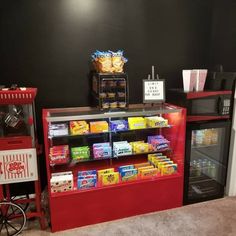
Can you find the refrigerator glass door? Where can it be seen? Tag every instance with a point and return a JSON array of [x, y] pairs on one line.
[[207, 161]]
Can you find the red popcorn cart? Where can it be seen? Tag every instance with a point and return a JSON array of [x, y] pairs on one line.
[[18, 159]]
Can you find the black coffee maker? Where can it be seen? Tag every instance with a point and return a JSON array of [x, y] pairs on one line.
[[219, 80]]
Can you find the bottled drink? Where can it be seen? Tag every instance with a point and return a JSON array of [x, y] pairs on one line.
[[193, 168], [207, 137], [198, 168], [199, 137], [213, 171], [204, 166], [193, 141], [214, 137]]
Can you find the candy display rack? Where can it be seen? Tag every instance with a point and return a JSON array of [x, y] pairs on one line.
[[104, 203], [110, 90]]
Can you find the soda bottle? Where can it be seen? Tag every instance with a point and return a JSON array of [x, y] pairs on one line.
[[198, 168], [204, 166], [193, 168], [213, 171]]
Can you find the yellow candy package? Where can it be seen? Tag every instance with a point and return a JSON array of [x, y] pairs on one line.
[[110, 178], [118, 61], [104, 171]]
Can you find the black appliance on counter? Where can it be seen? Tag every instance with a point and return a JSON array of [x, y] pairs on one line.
[[207, 142]]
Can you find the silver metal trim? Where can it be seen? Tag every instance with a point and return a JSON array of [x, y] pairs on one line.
[[107, 115]]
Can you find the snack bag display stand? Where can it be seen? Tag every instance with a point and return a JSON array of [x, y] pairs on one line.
[[18, 159]]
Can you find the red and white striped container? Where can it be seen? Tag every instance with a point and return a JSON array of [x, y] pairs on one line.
[[18, 166]]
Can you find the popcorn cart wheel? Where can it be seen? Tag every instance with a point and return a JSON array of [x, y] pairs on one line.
[[18, 160], [12, 219]]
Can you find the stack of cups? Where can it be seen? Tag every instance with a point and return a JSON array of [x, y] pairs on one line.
[[194, 80]]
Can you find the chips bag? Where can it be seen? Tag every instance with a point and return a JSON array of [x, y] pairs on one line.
[[108, 62]]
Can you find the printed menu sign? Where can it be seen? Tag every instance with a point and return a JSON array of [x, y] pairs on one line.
[[153, 91]]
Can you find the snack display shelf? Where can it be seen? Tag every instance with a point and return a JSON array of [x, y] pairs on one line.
[[115, 199], [204, 146], [76, 136], [74, 162], [91, 159], [144, 153], [107, 132], [118, 185]]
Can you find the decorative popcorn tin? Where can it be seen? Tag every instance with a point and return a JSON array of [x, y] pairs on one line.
[[18, 166]]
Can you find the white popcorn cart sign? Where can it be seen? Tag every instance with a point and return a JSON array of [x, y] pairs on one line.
[[18, 166]]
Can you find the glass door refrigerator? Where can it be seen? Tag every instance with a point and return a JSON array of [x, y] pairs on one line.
[[207, 145]]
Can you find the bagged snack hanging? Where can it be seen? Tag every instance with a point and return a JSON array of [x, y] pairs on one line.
[[108, 62], [102, 61], [118, 61]]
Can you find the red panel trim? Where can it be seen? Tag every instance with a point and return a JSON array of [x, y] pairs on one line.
[[19, 142], [202, 94], [92, 207], [203, 118]]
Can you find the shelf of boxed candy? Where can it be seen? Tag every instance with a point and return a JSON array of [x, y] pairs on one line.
[[61, 154], [82, 128], [156, 166]]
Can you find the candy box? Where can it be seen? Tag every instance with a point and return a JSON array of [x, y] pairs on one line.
[[110, 178], [59, 154], [169, 169], [98, 127], [118, 125], [158, 162], [79, 127], [61, 173], [104, 171], [122, 148], [136, 123], [86, 182], [61, 182], [58, 129], [79, 153], [147, 173], [133, 144], [129, 174], [141, 165], [101, 150], [127, 167], [141, 148], [161, 164], [150, 138], [156, 121], [86, 172], [154, 155], [144, 168]]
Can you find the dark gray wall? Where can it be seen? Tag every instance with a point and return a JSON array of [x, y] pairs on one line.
[[47, 44], [223, 35]]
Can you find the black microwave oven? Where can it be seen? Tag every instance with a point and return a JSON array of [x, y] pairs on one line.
[[208, 104]]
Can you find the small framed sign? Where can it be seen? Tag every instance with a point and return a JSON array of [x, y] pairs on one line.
[[153, 91]]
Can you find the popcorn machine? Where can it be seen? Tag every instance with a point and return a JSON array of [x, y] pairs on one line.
[[18, 158]]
